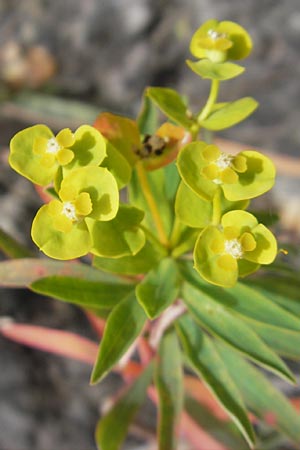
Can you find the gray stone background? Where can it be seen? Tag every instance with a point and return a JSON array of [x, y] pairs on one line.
[[61, 62]]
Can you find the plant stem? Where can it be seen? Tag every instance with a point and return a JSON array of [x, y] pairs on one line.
[[144, 183], [217, 212], [214, 90]]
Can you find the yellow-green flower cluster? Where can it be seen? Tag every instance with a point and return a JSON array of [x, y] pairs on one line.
[[83, 192], [231, 244], [205, 169]]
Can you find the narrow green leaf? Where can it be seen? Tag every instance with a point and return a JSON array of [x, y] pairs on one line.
[[205, 360], [224, 432], [169, 383], [123, 326], [171, 103], [61, 111], [282, 290], [147, 119], [112, 428], [21, 272], [87, 293], [215, 71], [231, 114], [260, 395], [244, 300], [137, 264], [12, 248], [159, 288], [283, 341], [220, 321]]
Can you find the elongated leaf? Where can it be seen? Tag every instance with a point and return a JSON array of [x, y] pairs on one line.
[[215, 71], [282, 290], [112, 428], [159, 288], [63, 343], [244, 300], [285, 342], [169, 383], [59, 111], [223, 432], [123, 326], [220, 321], [87, 293], [12, 248], [231, 114], [147, 119], [170, 102], [260, 395], [21, 272], [205, 360], [140, 263]]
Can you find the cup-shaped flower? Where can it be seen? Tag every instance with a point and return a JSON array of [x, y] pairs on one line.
[[235, 248], [59, 228], [37, 154], [221, 41], [204, 168]]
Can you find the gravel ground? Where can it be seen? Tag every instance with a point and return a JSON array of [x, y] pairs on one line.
[[104, 53]]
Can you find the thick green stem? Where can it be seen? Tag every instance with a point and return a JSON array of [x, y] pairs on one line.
[[145, 186], [214, 90]]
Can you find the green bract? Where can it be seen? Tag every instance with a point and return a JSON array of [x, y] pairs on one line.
[[220, 41], [196, 212], [120, 236], [236, 248], [205, 169], [38, 155], [60, 228]]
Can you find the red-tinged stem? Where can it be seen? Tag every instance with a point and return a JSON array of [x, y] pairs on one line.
[[145, 351], [164, 321], [198, 437], [60, 342]]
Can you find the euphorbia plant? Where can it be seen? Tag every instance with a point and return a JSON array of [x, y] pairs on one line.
[[169, 254]]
